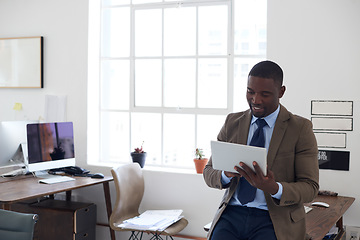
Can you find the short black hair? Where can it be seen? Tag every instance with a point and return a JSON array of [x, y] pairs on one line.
[[268, 69]]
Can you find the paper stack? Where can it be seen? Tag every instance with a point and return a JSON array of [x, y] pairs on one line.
[[154, 220]]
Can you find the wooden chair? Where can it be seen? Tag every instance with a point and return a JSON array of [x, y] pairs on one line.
[[129, 184]]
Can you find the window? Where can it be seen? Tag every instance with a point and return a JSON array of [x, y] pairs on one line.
[[166, 73]]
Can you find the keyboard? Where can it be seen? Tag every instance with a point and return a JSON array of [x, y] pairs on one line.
[[56, 179]]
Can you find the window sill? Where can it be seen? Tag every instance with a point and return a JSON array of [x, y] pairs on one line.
[[108, 166], [171, 170]]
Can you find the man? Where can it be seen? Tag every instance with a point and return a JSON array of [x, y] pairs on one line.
[[274, 209]]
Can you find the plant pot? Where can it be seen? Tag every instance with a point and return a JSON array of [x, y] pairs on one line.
[[139, 158], [200, 164]]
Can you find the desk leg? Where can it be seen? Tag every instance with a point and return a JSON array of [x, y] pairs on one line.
[[340, 226], [339, 223], [68, 195], [108, 206]]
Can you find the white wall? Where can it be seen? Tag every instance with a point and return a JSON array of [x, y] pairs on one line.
[[316, 43], [64, 27]]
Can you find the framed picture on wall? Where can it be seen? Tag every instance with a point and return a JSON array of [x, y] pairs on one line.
[[21, 62]]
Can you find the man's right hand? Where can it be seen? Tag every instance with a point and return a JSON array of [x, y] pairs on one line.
[[231, 174]]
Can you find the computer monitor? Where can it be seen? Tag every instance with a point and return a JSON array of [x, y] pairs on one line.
[[12, 135], [50, 145]]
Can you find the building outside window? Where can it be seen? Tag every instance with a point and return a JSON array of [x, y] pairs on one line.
[[166, 73]]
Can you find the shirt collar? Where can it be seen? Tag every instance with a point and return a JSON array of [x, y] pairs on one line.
[[270, 119]]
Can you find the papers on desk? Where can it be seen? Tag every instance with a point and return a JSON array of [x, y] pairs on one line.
[[332, 233], [154, 220]]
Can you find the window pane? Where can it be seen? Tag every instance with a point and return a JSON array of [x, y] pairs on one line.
[[208, 127], [115, 137], [148, 32], [115, 2], [148, 82], [212, 83], [115, 41], [213, 30], [115, 84], [179, 83], [180, 31], [250, 27], [146, 127], [242, 67], [180, 1], [179, 139], [144, 1]]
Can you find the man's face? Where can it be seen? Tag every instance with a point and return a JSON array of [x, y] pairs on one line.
[[263, 95]]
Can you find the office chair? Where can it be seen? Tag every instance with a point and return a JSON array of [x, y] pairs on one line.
[[129, 184], [17, 226]]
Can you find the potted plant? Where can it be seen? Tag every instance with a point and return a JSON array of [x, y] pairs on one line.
[[200, 160], [139, 156]]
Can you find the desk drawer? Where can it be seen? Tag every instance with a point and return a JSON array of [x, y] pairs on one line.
[[88, 234], [60, 220], [85, 218], [83, 215]]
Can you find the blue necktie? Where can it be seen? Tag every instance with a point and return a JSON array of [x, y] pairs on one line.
[[246, 192]]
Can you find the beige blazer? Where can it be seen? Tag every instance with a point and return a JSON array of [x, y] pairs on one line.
[[292, 156]]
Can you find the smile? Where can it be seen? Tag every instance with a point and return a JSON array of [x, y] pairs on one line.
[[257, 108]]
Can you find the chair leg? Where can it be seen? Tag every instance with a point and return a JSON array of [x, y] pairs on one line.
[[156, 237], [134, 235], [166, 237]]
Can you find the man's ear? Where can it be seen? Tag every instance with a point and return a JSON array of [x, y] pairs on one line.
[[282, 91]]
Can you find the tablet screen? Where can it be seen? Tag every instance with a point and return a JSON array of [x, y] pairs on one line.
[[226, 155]]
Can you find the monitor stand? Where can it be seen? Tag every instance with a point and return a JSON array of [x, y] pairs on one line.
[[43, 174]]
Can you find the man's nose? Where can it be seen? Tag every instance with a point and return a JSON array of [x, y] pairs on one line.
[[256, 99]]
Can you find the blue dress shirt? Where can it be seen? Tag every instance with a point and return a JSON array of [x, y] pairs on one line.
[[259, 201]]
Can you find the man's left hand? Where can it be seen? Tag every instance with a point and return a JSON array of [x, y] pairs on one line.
[[257, 179]]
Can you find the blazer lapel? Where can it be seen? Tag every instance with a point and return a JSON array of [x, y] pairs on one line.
[[278, 134], [244, 125]]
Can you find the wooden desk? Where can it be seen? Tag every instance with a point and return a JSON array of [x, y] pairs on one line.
[[320, 220], [27, 187]]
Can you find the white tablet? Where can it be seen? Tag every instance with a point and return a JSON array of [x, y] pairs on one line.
[[226, 155]]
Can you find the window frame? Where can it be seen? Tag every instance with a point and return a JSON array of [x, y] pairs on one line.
[[95, 59]]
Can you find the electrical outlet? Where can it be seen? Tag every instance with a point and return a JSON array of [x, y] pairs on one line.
[[352, 233], [354, 236]]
